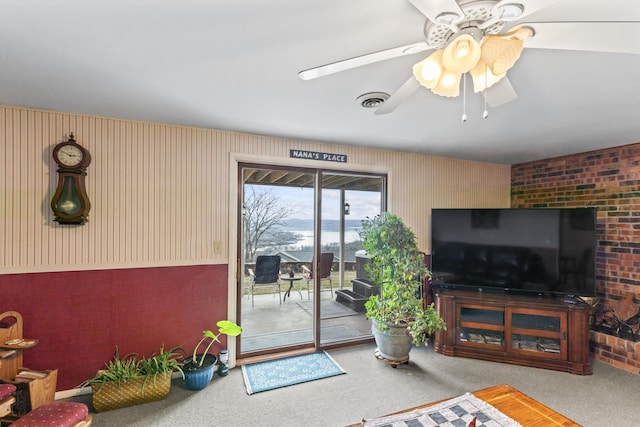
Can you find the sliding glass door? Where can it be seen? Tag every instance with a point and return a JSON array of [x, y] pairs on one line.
[[346, 199], [300, 235]]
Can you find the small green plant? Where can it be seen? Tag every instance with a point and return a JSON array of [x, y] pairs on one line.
[[121, 369], [161, 364], [225, 327], [398, 267]]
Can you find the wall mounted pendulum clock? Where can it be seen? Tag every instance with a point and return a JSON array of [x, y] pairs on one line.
[[70, 203]]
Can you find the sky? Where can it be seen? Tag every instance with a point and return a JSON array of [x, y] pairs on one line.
[[300, 200]]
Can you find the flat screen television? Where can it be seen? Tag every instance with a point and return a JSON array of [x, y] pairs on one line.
[[531, 251]]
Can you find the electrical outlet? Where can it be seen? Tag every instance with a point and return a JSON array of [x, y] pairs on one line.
[[217, 247]]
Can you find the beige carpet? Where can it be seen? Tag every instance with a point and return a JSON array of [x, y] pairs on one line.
[[372, 388]]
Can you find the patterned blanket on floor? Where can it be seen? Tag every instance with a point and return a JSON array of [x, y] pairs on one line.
[[456, 412]]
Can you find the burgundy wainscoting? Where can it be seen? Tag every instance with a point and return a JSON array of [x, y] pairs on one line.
[[80, 316]]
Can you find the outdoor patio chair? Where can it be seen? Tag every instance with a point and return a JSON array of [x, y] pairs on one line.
[[267, 274], [326, 263]]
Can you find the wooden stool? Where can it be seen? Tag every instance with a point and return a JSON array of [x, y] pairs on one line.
[[58, 414]]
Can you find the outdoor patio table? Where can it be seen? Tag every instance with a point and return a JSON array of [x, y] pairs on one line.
[[290, 279]]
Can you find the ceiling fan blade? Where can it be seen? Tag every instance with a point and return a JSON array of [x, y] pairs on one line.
[[578, 10], [530, 6], [500, 93], [406, 90], [434, 8], [505, 10], [359, 61], [615, 37]]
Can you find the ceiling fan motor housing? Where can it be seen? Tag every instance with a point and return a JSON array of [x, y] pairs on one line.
[[440, 33]]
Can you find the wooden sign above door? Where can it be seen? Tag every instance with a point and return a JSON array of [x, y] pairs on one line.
[[316, 155]]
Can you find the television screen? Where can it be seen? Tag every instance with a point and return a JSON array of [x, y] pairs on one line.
[[540, 251]]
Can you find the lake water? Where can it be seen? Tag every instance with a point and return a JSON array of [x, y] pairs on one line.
[[328, 237], [330, 230]]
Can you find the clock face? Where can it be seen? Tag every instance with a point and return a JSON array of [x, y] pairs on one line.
[[70, 155]]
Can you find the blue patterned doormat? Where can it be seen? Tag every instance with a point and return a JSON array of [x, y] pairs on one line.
[[292, 370]]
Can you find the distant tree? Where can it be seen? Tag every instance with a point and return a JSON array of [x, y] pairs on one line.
[[263, 219]]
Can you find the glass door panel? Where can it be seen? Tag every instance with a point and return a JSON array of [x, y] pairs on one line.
[[539, 332], [345, 201], [536, 343], [308, 222], [532, 321], [479, 315], [277, 224], [481, 327]]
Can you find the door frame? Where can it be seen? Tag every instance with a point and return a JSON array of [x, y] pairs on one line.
[[235, 210]]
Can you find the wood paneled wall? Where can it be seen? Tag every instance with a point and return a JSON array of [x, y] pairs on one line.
[[160, 193], [161, 197]]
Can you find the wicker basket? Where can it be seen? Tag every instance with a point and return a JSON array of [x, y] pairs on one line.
[[114, 395]]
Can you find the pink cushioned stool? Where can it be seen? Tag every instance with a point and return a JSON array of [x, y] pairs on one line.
[[57, 414], [6, 398], [6, 390]]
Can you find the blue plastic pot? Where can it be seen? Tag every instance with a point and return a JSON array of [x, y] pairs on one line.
[[201, 377]]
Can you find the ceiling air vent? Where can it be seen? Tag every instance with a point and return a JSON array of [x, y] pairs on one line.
[[372, 99]]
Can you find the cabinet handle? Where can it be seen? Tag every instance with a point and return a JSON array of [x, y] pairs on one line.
[[564, 335]]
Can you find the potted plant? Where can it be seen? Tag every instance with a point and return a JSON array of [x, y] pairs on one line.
[[131, 380], [198, 369], [399, 315]]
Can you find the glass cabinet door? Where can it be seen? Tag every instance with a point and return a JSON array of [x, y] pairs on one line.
[[481, 327], [537, 331]]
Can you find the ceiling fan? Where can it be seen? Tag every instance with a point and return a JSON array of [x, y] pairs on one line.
[[486, 37]]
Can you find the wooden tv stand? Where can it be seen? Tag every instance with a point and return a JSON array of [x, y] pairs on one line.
[[541, 332]]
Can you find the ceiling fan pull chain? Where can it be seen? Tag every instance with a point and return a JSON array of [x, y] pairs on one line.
[[464, 97], [485, 114]]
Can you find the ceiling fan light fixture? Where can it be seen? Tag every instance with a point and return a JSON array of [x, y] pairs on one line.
[[500, 54], [429, 70], [487, 62], [482, 77], [461, 54], [521, 33], [449, 84]]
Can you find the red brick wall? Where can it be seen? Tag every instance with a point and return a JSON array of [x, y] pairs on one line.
[[609, 180]]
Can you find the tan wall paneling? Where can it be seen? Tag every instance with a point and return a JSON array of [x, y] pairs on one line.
[[419, 183], [159, 193]]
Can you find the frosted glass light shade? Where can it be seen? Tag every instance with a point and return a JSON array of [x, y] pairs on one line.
[[461, 54], [449, 84], [483, 77], [429, 70], [501, 52], [487, 62]]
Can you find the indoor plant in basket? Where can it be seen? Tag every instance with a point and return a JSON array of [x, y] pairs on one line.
[[131, 380], [399, 315], [198, 369]]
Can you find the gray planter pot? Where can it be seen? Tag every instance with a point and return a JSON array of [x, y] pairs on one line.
[[394, 343]]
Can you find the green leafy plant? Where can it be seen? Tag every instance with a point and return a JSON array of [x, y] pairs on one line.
[[225, 327], [398, 267], [163, 363], [131, 366]]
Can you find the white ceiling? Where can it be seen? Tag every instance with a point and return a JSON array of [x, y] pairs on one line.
[[233, 65]]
